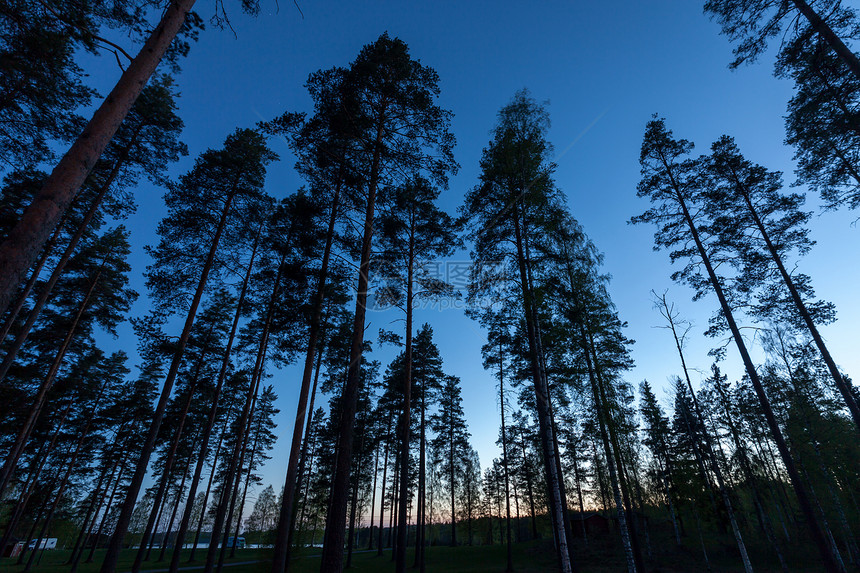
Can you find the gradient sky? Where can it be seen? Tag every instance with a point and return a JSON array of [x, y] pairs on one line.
[[604, 68]]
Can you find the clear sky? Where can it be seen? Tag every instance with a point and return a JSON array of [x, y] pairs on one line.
[[604, 67]]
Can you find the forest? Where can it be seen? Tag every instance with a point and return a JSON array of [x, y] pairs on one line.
[[204, 368]]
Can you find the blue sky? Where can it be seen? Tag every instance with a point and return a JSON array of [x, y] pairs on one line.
[[604, 67]]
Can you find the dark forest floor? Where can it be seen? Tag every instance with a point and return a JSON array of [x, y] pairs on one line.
[[600, 556]]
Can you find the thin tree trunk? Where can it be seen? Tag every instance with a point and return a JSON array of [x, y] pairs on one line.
[[208, 491], [529, 486], [97, 498], [715, 467], [406, 415], [602, 414], [213, 414], [701, 538], [382, 493], [332, 555], [740, 449], [578, 493], [244, 420], [305, 468], [104, 518], [149, 532], [234, 469], [420, 560], [287, 514], [58, 496], [41, 395], [115, 477], [175, 511], [510, 556], [373, 498], [558, 511], [350, 540]]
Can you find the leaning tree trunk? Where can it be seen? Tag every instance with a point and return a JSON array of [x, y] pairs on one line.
[[63, 483], [828, 35], [304, 466], [31, 282], [602, 413], [116, 542], [39, 464], [97, 495], [838, 379], [45, 292], [149, 532], [715, 466], [828, 559], [209, 482], [103, 521], [751, 478], [24, 243]]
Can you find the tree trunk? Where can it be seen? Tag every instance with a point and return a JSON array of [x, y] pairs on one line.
[[835, 42], [558, 511], [108, 507], [24, 243], [332, 555], [166, 537], [244, 420], [287, 514], [306, 467], [602, 413], [42, 394], [40, 301], [827, 557], [838, 379], [31, 282], [715, 466], [403, 524], [227, 502], [382, 493], [213, 415], [420, 561], [509, 552], [116, 542], [373, 498], [151, 524], [39, 463], [529, 487], [58, 496]]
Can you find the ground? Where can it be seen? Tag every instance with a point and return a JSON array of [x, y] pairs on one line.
[[530, 557]]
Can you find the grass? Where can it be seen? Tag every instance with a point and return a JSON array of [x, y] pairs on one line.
[[600, 556]]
